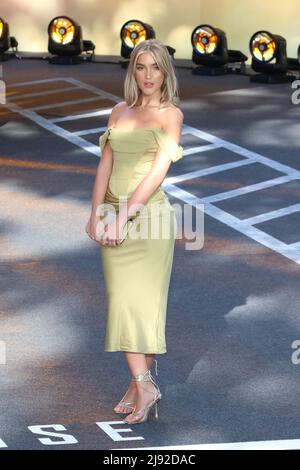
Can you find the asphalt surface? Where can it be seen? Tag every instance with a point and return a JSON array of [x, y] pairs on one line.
[[229, 375]]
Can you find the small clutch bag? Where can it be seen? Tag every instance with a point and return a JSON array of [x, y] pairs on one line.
[[125, 229]]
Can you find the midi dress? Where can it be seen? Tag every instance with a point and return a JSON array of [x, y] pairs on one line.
[[137, 272]]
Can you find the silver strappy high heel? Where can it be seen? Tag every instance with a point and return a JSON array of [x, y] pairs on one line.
[[130, 404], [142, 414], [127, 404]]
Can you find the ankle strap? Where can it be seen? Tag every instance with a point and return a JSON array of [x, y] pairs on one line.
[[140, 377], [148, 378]]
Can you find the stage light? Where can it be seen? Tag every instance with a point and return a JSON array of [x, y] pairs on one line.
[[211, 53], [205, 40], [6, 42], [65, 42], [269, 58], [132, 33]]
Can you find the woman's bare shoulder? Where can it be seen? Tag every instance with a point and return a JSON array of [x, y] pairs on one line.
[[120, 105], [172, 109], [116, 111], [173, 113]]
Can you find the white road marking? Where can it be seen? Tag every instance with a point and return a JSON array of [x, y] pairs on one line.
[[51, 127], [295, 245], [96, 130], [64, 103], [201, 148], [237, 224], [208, 171], [46, 92], [36, 82], [273, 214], [285, 444], [248, 189], [75, 117]]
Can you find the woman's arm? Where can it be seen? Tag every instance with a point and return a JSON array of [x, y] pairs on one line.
[[105, 165], [159, 169], [102, 178]]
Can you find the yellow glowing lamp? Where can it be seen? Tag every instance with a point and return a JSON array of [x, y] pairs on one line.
[[269, 58], [210, 50], [7, 42], [65, 41], [263, 46], [132, 33], [62, 30], [205, 40], [1, 28]]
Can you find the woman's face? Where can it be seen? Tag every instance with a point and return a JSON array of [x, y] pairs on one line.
[[147, 74]]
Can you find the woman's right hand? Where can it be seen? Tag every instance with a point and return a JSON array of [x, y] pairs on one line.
[[92, 228], [95, 229]]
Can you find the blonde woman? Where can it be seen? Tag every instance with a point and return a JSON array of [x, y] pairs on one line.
[[140, 142]]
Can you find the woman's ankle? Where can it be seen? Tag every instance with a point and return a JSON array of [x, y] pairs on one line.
[[145, 387]]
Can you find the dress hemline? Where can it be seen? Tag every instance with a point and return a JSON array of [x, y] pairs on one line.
[[130, 350]]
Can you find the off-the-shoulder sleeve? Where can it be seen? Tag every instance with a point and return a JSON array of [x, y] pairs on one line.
[[168, 145], [103, 138]]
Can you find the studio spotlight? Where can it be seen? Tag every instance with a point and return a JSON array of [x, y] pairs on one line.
[[6, 42], [269, 58], [132, 33], [211, 53], [65, 42]]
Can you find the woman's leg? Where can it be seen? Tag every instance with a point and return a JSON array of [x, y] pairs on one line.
[[150, 358], [144, 390], [137, 363]]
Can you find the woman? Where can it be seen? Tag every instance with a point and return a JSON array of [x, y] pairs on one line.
[[138, 146]]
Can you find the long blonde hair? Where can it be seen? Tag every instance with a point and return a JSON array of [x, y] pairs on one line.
[[163, 59]]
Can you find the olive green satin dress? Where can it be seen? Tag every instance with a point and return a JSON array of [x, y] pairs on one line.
[[137, 272]]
